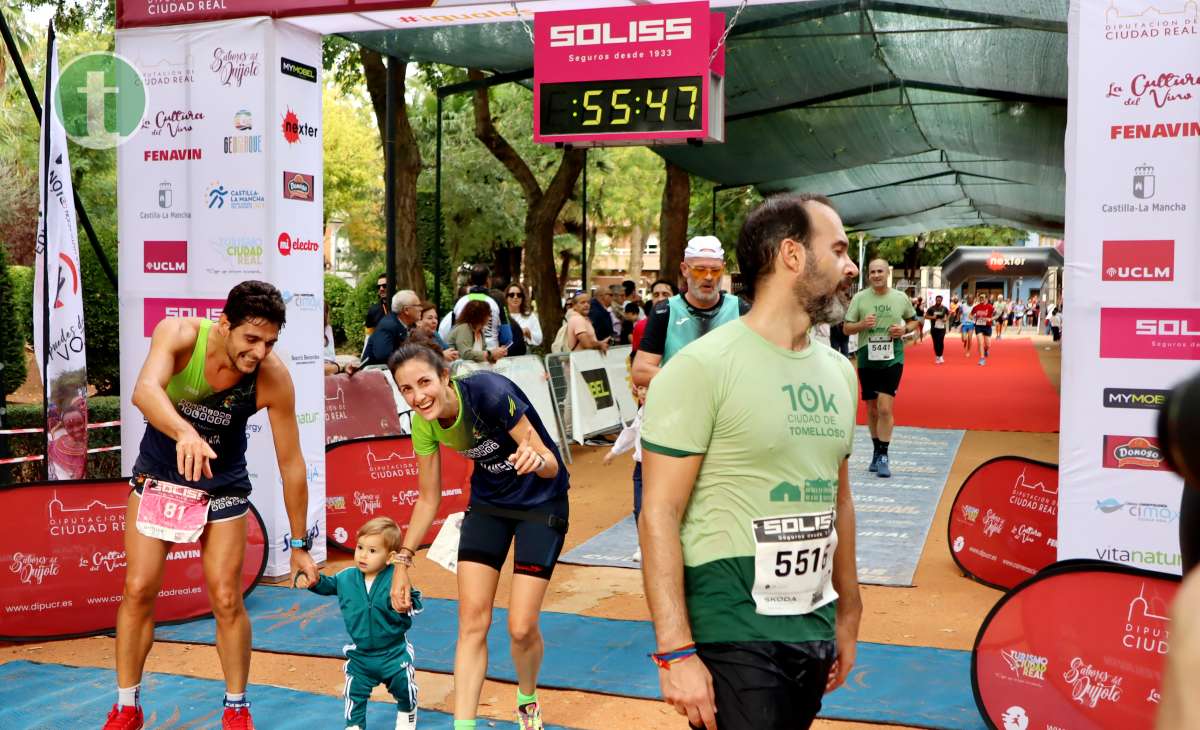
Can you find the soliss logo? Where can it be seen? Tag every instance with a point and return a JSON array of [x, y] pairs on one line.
[[1153, 327], [638, 31]]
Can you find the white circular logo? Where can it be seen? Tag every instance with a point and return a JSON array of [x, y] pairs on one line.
[[341, 535], [958, 544], [1015, 718]]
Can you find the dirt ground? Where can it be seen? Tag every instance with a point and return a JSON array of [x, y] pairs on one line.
[[943, 610]]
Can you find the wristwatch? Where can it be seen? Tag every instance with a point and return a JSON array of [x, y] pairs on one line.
[[298, 544]]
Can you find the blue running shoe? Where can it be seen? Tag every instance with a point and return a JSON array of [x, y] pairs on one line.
[[882, 470], [874, 463]]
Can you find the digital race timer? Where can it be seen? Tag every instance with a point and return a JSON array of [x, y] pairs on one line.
[[629, 105]]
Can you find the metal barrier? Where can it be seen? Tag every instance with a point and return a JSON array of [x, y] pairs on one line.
[[556, 366]]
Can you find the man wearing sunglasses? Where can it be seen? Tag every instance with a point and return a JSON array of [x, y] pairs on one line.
[[379, 308], [686, 317]]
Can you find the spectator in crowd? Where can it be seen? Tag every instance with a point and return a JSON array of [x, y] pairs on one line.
[[391, 331], [380, 307], [521, 312], [478, 291], [660, 291], [629, 321], [631, 292], [1056, 322], [600, 315], [428, 323], [447, 320], [838, 339], [581, 334], [468, 335], [616, 310]]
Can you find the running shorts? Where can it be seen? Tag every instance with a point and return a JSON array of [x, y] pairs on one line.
[[224, 504], [880, 380], [768, 685], [968, 326], [983, 329], [486, 538]]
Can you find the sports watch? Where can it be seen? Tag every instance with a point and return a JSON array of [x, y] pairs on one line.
[[301, 544]]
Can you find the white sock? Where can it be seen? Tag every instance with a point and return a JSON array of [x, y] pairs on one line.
[[406, 720], [235, 700], [128, 696]]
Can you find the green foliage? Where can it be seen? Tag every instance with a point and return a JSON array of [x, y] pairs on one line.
[[354, 312], [337, 295], [426, 235], [12, 343], [106, 464], [22, 300], [937, 245], [100, 316], [732, 208], [353, 177]]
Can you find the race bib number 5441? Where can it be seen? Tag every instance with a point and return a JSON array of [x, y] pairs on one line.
[[793, 563]]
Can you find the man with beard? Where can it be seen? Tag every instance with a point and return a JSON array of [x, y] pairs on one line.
[[201, 382], [747, 526], [683, 318], [885, 315]]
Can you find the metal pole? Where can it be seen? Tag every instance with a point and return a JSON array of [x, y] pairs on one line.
[[712, 229], [584, 280], [861, 251], [389, 172], [86, 222], [437, 209], [45, 254]]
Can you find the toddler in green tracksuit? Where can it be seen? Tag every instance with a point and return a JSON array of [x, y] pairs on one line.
[[380, 653]]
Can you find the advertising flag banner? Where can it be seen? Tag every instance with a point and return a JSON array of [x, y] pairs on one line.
[[58, 332]]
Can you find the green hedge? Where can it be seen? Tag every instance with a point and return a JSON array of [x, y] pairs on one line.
[[106, 464], [12, 342], [22, 280], [354, 312], [337, 295]]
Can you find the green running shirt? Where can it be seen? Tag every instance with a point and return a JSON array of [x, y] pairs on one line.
[[892, 307]]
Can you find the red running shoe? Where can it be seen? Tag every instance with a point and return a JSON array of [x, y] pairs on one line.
[[124, 718], [237, 719]]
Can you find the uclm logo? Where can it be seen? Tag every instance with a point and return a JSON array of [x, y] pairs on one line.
[[1138, 261], [165, 257], [157, 309], [653, 30], [1150, 334]]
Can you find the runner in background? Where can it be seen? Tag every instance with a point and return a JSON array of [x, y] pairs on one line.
[[997, 318], [1018, 316], [919, 309], [199, 385], [968, 325], [983, 313], [883, 315], [939, 321]]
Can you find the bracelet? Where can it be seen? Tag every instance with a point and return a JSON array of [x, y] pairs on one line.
[[665, 659], [411, 553], [404, 560]]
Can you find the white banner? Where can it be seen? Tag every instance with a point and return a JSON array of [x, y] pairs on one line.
[[223, 185], [599, 391], [65, 375], [1132, 319], [529, 373]]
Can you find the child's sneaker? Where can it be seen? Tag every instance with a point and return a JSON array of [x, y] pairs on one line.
[[529, 717], [128, 717]]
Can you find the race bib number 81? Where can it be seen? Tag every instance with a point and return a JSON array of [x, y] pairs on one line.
[[172, 512], [793, 563]]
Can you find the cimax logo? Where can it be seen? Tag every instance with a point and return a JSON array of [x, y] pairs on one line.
[[637, 31], [1138, 261]]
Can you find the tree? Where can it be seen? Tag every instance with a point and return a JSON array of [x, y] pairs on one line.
[[12, 341], [542, 208], [353, 177], [620, 177], [673, 221], [930, 248]]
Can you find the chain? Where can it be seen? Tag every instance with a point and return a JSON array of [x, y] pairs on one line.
[[737, 14], [528, 30]]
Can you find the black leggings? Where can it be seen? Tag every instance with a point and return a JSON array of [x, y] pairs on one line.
[[939, 341]]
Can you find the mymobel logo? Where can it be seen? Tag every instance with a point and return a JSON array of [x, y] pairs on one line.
[[100, 99], [1138, 261], [637, 31], [1131, 398], [298, 70]]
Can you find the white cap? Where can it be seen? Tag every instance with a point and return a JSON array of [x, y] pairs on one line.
[[704, 247]]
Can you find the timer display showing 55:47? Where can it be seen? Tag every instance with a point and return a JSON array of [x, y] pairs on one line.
[[628, 105]]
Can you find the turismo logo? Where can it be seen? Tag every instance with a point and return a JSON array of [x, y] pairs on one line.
[[1024, 665], [236, 255], [232, 68], [243, 121], [1133, 452], [653, 30], [173, 123], [155, 310], [298, 70], [298, 186], [286, 244], [1160, 89], [164, 257], [1133, 20], [220, 197], [1140, 511], [1134, 398], [1138, 261], [1150, 334], [294, 129]]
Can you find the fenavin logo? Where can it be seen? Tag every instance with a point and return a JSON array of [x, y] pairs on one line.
[[637, 31], [1134, 398]]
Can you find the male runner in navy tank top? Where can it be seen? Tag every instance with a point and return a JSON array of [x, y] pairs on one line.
[[200, 383]]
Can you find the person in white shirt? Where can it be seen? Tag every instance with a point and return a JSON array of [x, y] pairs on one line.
[[520, 312], [968, 326]]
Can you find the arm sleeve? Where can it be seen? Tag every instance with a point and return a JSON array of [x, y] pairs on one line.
[[325, 586], [654, 338], [680, 409], [535, 331], [463, 340], [423, 439], [852, 313]]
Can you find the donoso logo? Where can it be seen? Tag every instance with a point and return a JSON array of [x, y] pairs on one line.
[[1138, 261], [165, 257], [638, 31], [1133, 452], [1150, 334]]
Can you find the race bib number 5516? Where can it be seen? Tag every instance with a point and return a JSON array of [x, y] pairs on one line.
[[793, 563]]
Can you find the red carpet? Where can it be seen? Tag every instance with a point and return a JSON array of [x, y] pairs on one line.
[[1010, 393]]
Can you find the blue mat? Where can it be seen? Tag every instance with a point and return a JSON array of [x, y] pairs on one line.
[[68, 698], [893, 515], [891, 684]]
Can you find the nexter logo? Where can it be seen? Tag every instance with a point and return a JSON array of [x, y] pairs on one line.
[[638, 31]]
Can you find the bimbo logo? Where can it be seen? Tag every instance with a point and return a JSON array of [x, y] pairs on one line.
[[1138, 261], [637, 31], [1150, 334], [157, 309], [165, 257], [286, 244]]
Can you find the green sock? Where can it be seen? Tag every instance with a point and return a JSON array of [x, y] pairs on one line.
[[464, 725], [524, 699]]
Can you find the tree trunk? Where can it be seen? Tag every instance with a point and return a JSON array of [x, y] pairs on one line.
[[410, 274], [637, 245], [565, 272], [673, 222]]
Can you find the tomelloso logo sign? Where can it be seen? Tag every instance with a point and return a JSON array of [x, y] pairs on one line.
[[298, 70], [638, 31], [287, 244], [1138, 261], [1150, 334], [294, 129], [165, 257], [1133, 452], [157, 309], [1134, 398], [297, 186]]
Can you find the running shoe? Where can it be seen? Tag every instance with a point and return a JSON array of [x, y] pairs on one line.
[[882, 470], [237, 718], [874, 463], [983, 361], [529, 717], [124, 718]]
